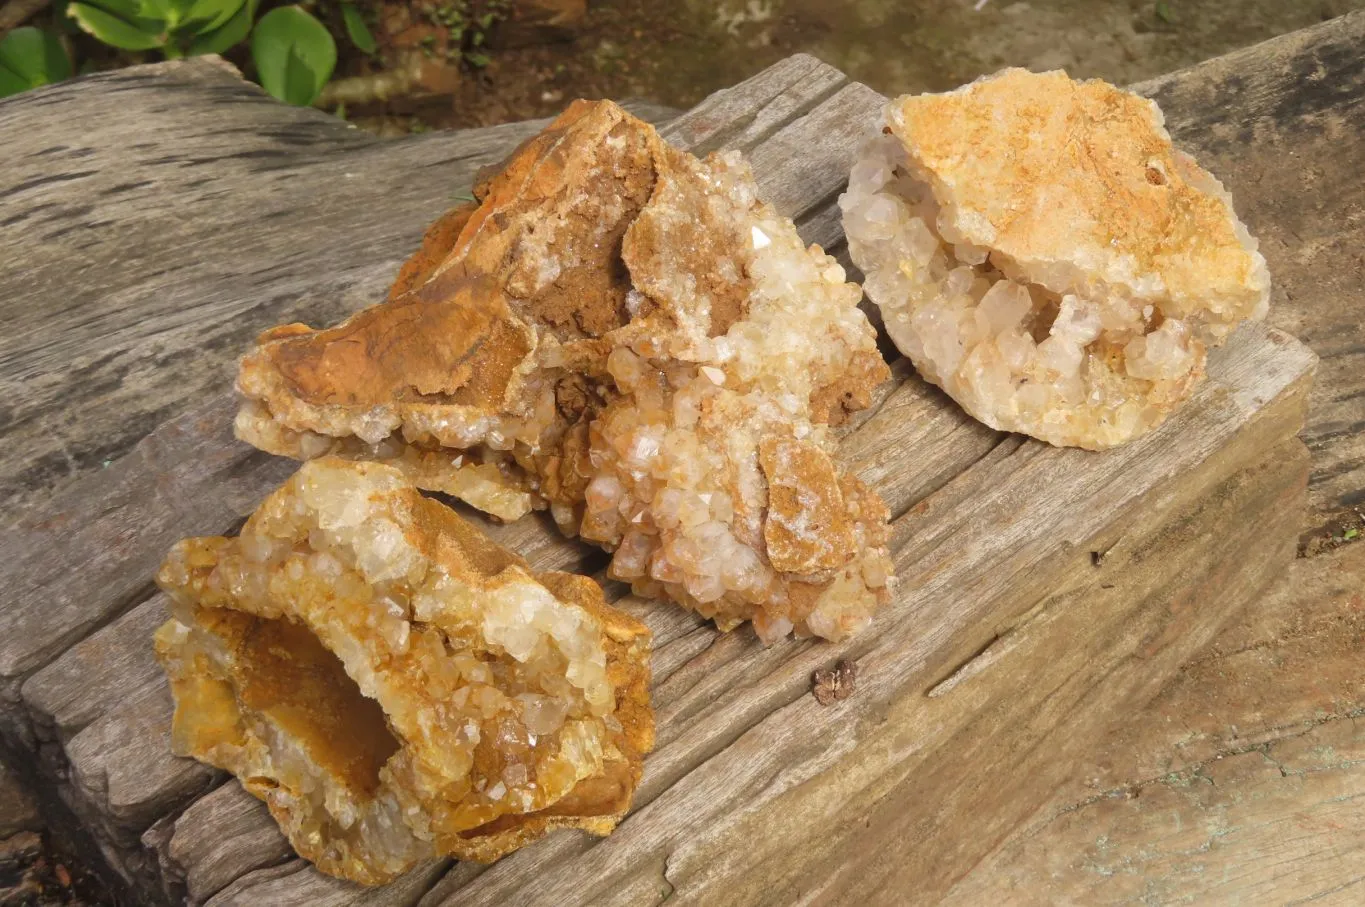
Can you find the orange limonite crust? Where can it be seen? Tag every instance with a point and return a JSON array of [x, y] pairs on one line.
[[394, 685], [1042, 252], [630, 337]]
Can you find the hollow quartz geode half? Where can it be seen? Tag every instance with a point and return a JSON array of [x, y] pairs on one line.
[[1041, 252], [630, 336], [393, 684]]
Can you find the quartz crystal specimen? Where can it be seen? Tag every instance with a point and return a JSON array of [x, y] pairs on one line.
[[1041, 252], [393, 684], [629, 336]]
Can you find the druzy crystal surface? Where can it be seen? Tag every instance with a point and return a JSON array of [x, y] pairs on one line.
[[630, 337], [393, 684], [1041, 252]]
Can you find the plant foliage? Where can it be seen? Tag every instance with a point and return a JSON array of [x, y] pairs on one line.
[[30, 57], [356, 28], [174, 27], [294, 54]]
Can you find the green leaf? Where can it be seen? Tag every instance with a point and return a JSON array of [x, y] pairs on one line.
[[1163, 12], [30, 57], [149, 15], [204, 16], [1351, 535], [356, 28], [294, 54], [128, 9], [232, 33], [118, 30], [160, 10]]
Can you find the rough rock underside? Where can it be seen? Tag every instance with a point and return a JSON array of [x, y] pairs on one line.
[[628, 336], [1041, 252], [393, 684]]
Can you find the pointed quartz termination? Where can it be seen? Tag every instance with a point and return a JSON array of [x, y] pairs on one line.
[[1041, 252], [394, 685], [630, 336]]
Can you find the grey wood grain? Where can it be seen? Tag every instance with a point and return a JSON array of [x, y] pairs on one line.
[[1283, 125], [987, 529], [122, 775], [298, 884], [191, 478], [97, 673], [753, 109], [918, 417], [221, 837], [155, 218], [739, 732]]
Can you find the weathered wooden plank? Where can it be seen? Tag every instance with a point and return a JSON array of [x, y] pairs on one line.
[[34, 634], [971, 574], [1283, 125], [722, 696], [1142, 816], [90, 555], [72, 566], [1279, 824], [754, 108], [814, 154], [1187, 591], [298, 884], [95, 675], [122, 770], [133, 205], [921, 418], [221, 837]]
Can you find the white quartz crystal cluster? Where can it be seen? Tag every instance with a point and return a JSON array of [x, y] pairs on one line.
[[1041, 252], [393, 684], [684, 490], [627, 336]]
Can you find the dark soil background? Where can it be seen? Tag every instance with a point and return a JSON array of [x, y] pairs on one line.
[[676, 52], [449, 64]]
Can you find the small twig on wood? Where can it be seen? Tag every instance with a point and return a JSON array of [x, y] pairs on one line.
[[403, 80], [16, 12]]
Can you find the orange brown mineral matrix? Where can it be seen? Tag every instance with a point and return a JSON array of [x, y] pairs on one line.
[[1042, 252], [630, 337], [393, 684]]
